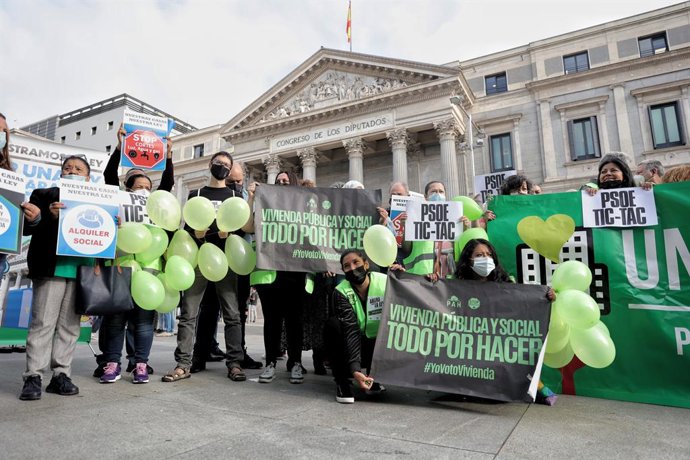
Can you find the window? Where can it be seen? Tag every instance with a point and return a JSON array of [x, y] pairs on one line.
[[666, 125], [110, 125], [107, 148], [654, 44], [63, 139], [198, 151], [501, 153], [77, 135], [496, 83], [93, 130], [576, 62], [584, 138]]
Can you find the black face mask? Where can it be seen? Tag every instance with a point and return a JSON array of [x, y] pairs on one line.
[[611, 184], [220, 172], [237, 188], [357, 276]]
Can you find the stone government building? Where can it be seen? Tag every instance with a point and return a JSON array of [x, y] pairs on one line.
[[549, 109]]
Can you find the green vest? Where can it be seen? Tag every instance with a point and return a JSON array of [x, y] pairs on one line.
[[368, 320], [421, 258]]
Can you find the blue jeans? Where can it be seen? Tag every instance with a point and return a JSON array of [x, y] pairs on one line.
[[168, 321], [113, 337]]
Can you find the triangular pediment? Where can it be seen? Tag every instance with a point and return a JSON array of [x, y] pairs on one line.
[[332, 79]]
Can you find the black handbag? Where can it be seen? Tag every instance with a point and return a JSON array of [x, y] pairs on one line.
[[103, 290]]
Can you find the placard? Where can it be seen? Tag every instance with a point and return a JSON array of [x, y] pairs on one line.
[[489, 185], [144, 145], [133, 208], [12, 195], [433, 221], [620, 207]]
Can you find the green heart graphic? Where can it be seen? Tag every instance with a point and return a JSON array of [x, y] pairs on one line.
[[547, 238]]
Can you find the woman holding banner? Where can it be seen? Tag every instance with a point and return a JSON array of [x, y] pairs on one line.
[[138, 322], [54, 326]]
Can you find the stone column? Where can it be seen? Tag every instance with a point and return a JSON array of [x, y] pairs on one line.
[[272, 164], [355, 153], [398, 140], [308, 157], [549, 149], [622, 121], [447, 133]]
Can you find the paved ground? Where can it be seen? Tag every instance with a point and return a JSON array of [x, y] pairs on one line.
[[209, 416]]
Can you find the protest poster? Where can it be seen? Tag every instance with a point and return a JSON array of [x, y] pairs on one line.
[[640, 279], [489, 185], [87, 226], [621, 207], [133, 208], [306, 229], [144, 144], [468, 337], [433, 221], [398, 209], [12, 195], [39, 161]]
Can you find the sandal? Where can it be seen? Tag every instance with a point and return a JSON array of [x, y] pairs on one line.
[[236, 374], [179, 373]]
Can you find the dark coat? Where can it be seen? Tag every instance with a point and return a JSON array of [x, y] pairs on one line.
[[44, 235]]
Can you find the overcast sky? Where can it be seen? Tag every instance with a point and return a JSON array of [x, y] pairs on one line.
[[206, 60]]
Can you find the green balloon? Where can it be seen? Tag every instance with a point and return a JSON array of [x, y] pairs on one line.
[[602, 327], [380, 245], [559, 334], [241, 257], [183, 245], [164, 210], [159, 243], [233, 213], [593, 346], [212, 262], [577, 309], [199, 213], [147, 290], [172, 296], [467, 235], [179, 274], [470, 208], [571, 274], [560, 358], [133, 237], [128, 261]]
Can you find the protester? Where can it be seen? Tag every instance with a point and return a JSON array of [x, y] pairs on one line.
[[54, 325], [137, 324], [652, 171], [614, 172], [677, 174], [226, 289], [354, 184], [479, 262], [516, 185], [350, 334], [536, 189], [282, 296], [5, 163], [166, 324]]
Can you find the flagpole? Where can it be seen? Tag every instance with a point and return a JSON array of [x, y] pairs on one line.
[[348, 28]]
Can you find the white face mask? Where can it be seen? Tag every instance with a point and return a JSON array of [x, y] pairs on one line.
[[3, 140], [483, 266], [437, 197], [76, 177], [142, 192]]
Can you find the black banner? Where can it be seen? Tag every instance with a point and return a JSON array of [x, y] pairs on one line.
[[468, 337], [306, 229]]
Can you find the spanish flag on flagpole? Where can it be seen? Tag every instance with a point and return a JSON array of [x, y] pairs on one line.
[[348, 28]]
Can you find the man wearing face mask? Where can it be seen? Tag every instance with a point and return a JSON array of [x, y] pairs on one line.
[[139, 322], [350, 335], [226, 289]]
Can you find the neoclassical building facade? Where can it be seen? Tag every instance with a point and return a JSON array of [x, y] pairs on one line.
[[549, 109]]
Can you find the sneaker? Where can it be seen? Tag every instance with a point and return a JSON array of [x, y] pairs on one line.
[[164, 334], [130, 368], [31, 390], [140, 374], [111, 373], [198, 365], [343, 393], [296, 375], [62, 385], [268, 373], [376, 389]]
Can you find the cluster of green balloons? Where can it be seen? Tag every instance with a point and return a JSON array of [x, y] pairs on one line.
[[575, 328], [199, 213]]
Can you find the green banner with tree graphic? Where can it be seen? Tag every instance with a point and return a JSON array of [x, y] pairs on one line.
[[640, 279]]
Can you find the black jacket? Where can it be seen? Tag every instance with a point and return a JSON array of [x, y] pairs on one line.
[[111, 178], [345, 313], [42, 258]]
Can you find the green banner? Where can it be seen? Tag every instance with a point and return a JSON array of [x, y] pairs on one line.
[[641, 280]]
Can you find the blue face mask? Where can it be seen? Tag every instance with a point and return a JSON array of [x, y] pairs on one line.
[[3, 140], [76, 177], [437, 197]]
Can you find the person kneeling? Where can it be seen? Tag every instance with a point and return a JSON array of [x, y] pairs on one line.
[[349, 336]]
